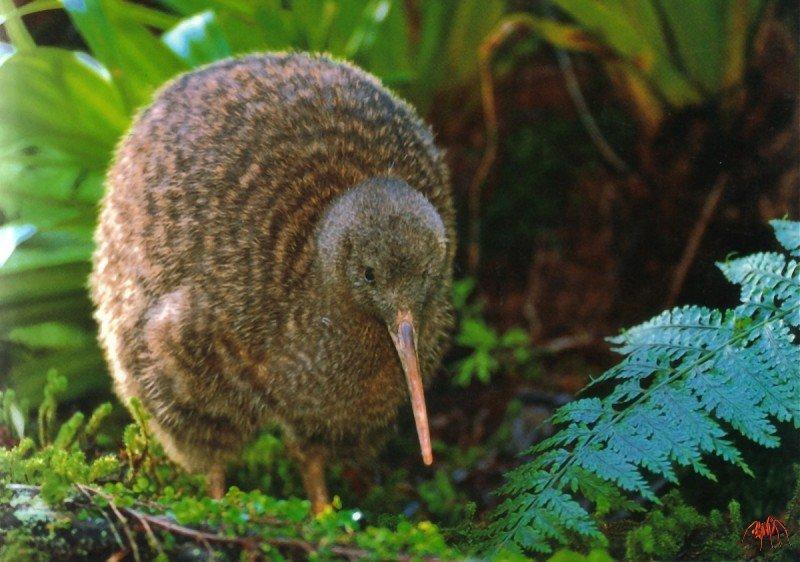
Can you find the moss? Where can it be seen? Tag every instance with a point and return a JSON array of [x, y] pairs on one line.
[[19, 546], [75, 492], [675, 530]]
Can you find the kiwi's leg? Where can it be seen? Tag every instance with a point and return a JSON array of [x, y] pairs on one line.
[[311, 460], [216, 480], [313, 473]]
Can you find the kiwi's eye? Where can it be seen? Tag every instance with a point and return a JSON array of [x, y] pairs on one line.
[[369, 275]]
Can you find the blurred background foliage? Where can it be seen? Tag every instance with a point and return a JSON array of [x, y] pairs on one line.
[[604, 155], [662, 55]]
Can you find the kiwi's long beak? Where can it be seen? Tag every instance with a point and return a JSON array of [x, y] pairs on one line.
[[404, 338]]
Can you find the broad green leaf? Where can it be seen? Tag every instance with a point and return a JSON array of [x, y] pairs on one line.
[[49, 189], [191, 7], [385, 44], [43, 283], [626, 32], [698, 27], [51, 335], [147, 16], [47, 249], [11, 236], [49, 265], [137, 60], [445, 57], [83, 367], [59, 99], [433, 33], [471, 22], [246, 7], [246, 26], [364, 27], [314, 19], [643, 15], [275, 28], [566, 36], [741, 15], [609, 21], [72, 306], [347, 18], [198, 39]]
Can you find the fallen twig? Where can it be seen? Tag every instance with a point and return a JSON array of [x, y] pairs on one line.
[[695, 238], [248, 544], [565, 343], [127, 530], [111, 525]]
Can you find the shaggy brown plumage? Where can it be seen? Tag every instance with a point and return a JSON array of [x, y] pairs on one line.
[[272, 224]]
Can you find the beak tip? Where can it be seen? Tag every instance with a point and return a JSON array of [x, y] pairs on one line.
[[427, 459]]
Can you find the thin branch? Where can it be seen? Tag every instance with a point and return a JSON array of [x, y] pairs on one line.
[[586, 117], [151, 537], [695, 239], [15, 27], [118, 556], [249, 544], [584, 113], [127, 530], [111, 525], [170, 526], [566, 343], [485, 52]]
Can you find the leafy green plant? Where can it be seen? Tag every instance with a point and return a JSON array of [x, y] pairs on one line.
[[59, 461], [488, 350], [156, 504], [13, 416], [62, 112], [595, 555], [667, 530], [666, 55], [690, 376]]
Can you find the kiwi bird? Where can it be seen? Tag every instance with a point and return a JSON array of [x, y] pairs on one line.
[[275, 246]]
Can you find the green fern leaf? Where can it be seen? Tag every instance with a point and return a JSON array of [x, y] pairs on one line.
[[690, 376], [788, 234], [770, 284]]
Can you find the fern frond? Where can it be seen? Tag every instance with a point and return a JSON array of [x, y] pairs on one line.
[[770, 284], [788, 234], [690, 376]]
